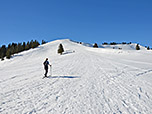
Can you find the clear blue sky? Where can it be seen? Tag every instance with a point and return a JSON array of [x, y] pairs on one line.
[[88, 21]]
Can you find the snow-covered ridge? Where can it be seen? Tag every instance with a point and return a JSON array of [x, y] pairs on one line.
[[84, 80], [131, 46]]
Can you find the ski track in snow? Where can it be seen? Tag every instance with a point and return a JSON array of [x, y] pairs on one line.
[[83, 82]]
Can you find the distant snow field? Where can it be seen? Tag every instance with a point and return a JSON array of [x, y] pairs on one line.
[[84, 80]]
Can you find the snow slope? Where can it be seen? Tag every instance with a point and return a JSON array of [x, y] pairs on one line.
[[85, 81]]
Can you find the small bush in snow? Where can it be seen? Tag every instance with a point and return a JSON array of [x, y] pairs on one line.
[[137, 47], [124, 43], [113, 43], [43, 42], [95, 45], [148, 48], [105, 43]]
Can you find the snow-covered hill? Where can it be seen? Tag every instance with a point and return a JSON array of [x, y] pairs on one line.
[[85, 80]]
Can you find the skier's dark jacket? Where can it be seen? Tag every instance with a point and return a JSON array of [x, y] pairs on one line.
[[46, 63]]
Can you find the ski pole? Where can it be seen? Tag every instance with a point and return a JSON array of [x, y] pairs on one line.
[[51, 70]]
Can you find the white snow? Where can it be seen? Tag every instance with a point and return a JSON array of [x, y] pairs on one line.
[[85, 80]]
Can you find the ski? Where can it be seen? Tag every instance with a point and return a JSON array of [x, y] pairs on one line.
[[44, 77]]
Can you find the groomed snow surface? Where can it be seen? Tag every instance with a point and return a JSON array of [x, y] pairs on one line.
[[84, 80]]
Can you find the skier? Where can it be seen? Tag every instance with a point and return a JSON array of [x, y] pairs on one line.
[[46, 63]]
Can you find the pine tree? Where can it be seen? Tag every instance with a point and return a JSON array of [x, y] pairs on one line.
[[31, 44], [0, 52], [43, 42], [3, 52], [36, 44], [60, 49], [27, 47], [8, 54], [14, 48], [23, 46], [137, 47], [20, 48], [148, 48], [95, 45], [2, 56], [105, 43]]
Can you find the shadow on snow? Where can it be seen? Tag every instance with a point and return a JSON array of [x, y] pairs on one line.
[[68, 52], [63, 76]]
